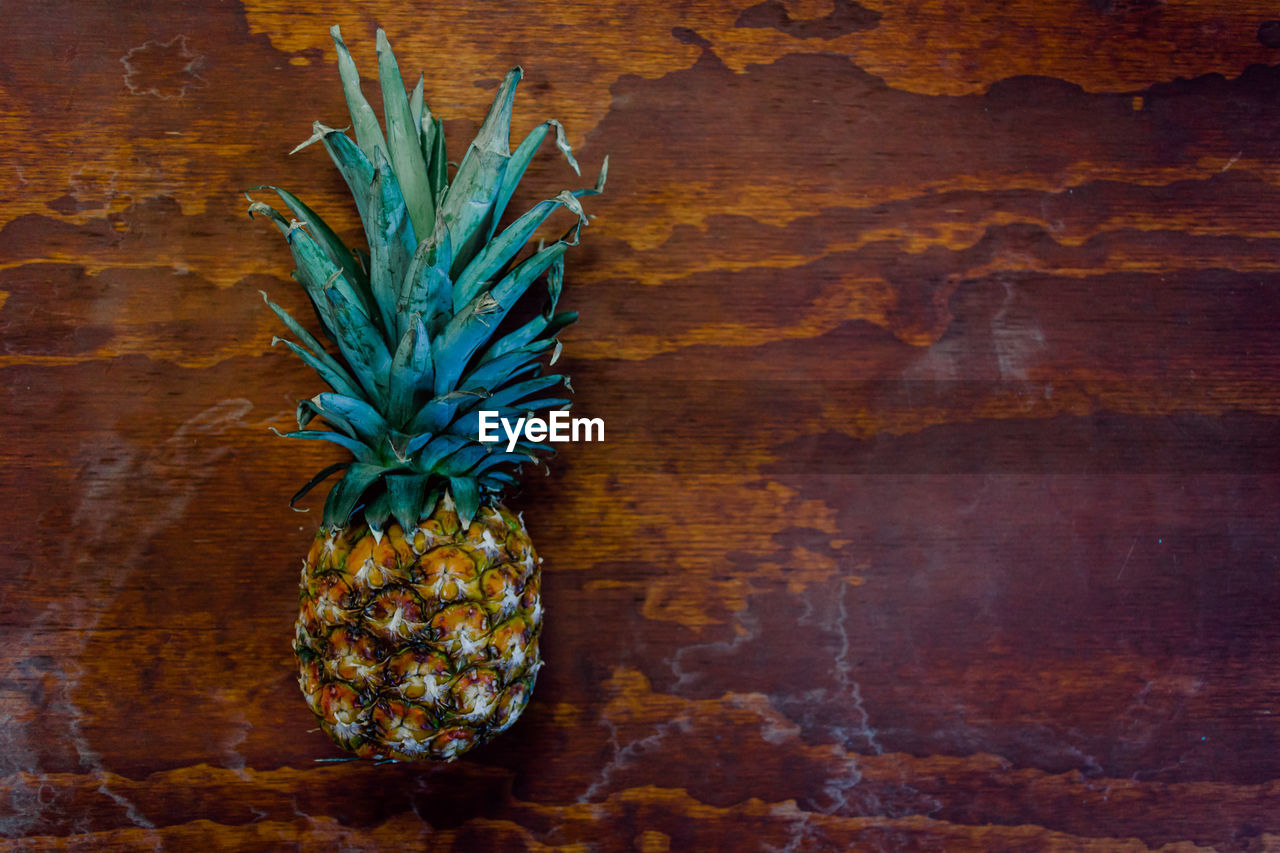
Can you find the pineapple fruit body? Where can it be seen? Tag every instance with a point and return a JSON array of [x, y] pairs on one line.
[[420, 645]]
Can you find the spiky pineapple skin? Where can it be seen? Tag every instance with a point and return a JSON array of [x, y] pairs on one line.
[[420, 645]]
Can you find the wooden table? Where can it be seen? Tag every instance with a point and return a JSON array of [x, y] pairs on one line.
[[937, 347]]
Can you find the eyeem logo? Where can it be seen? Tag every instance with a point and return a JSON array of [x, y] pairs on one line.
[[559, 428]]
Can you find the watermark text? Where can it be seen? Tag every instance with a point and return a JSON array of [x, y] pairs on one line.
[[557, 427]]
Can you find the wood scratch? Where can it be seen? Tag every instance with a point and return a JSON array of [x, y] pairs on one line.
[[1126, 557]]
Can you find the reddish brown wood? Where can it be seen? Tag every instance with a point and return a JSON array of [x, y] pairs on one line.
[[937, 345]]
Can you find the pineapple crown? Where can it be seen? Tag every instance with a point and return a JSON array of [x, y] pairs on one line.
[[416, 322]]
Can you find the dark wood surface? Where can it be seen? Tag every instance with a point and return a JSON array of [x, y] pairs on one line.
[[937, 346]]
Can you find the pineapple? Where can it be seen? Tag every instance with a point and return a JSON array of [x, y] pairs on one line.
[[417, 636]]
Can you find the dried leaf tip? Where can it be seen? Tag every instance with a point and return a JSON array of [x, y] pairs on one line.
[[318, 132], [563, 144]]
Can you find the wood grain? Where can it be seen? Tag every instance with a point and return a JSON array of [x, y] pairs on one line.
[[937, 346]]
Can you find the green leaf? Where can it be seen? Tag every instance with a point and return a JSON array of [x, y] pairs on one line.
[[334, 377], [361, 346], [308, 411], [355, 167], [434, 448], [490, 375], [377, 511], [496, 481], [539, 328], [474, 324], [438, 163], [410, 371], [427, 286], [420, 366], [555, 283], [495, 133], [512, 394], [520, 162], [416, 108], [315, 265], [507, 403], [287, 228], [493, 460], [427, 135], [325, 473], [407, 494], [327, 238], [369, 426], [317, 358], [391, 244], [311, 269], [495, 255], [403, 137], [469, 200], [317, 274], [466, 497], [433, 417], [358, 449], [269, 212], [350, 489], [368, 133], [463, 460]]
